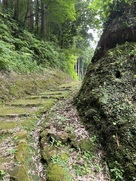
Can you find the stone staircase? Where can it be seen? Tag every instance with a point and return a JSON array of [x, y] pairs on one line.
[[20, 120]]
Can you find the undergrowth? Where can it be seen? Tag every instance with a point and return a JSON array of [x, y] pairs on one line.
[[22, 51]]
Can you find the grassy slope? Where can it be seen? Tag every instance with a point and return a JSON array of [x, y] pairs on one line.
[[14, 85]]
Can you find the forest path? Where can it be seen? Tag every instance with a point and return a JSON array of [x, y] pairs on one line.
[[41, 134]]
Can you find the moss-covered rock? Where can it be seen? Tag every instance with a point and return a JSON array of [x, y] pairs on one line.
[[21, 135], [84, 145], [20, 173], [48, 152], [57, 173], [107, 100], [22, 151], [59, 136], [44, 138], [64, 157]]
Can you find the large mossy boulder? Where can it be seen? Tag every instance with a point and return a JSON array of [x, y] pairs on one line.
[[107, 100]]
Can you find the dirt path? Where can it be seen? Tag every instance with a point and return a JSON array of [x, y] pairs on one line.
[[42, 138]]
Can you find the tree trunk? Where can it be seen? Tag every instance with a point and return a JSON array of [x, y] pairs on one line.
[[37, 16], [43, 19], [16, 10], [30, 15], [5, 4]]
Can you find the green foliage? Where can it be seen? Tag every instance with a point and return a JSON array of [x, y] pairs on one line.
[[104, 8], [116, 172], [57, 173], [22, 51], [16, 60], [84, 168], [2, 172], [11, 151], [25, 53], [70, 66], [60, 11]]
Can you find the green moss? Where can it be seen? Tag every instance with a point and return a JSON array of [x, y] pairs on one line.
[[52, 93], [20, 173], [29, 84], [7, 125], [44, 138], [108, 103], [43, 97], [5, 160], [21, 135], [22, 151], [72, 136], [43, 134], [7, 111], [84, 145], [29, 123], [31, 102], [70, 85], [48, 152], [64, 157], [48, 103], [16, 89], [57, 173]]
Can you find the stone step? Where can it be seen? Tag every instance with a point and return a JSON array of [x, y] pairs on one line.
[[46, 97], [32, 103], [53, 93], [13, 111]]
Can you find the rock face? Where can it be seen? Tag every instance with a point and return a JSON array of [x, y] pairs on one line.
[[107, 99], [121, 27]]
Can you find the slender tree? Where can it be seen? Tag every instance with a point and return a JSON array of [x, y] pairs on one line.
[[29, 17], [43, 18]]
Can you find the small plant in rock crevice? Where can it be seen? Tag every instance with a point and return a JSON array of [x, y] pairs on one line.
[[11, 151], [2, 172]]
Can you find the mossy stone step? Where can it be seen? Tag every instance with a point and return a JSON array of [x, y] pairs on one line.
[[25, 107], [46, 97], [12, 111], [70, 85], [51, 93], [26, 123], [5, 125], [32, 103]]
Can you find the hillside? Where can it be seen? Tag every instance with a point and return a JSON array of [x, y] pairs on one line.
[[24, 52]]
